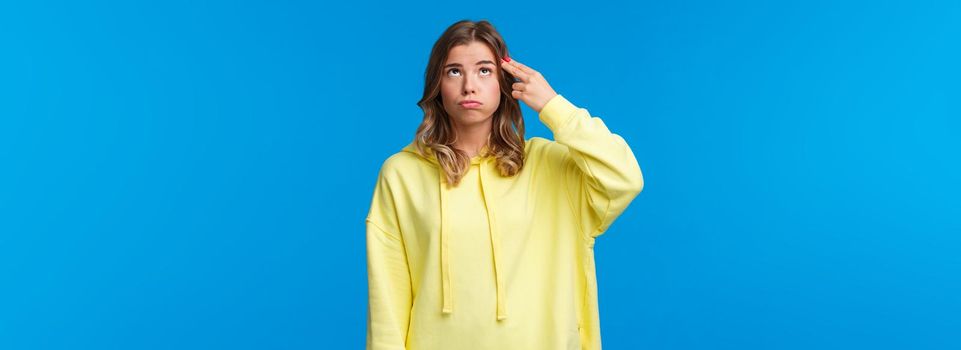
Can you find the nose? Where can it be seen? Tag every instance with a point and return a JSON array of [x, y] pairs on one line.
[[469, 85]]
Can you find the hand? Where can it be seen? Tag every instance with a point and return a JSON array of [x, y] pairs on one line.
[[532, 87]]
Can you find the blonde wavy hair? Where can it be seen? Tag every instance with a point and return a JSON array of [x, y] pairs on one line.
[[436, 134]]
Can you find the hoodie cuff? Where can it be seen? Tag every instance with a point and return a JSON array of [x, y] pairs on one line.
[[557, 113]]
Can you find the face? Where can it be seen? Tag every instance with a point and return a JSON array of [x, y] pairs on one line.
[[470, 74]]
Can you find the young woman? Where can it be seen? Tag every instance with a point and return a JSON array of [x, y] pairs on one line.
[[478, 238]]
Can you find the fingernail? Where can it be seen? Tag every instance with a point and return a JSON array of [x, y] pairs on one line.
[[508, 59]]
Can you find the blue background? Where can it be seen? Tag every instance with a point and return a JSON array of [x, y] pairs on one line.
[[195, 175]]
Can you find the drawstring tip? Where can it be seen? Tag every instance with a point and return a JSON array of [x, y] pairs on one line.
[[446, 307]]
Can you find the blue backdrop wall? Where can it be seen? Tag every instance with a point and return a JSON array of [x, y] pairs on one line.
[[195, 175]]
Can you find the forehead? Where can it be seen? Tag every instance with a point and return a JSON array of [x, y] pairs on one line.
[[469, 53]]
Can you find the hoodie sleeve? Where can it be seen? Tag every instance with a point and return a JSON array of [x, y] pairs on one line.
[[388, 278], [601, 174]]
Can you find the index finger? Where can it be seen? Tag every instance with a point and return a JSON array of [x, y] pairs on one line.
[[522, 67], [514, 70]]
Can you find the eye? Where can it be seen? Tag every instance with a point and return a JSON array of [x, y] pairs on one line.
[[452, 70], [489, 71]]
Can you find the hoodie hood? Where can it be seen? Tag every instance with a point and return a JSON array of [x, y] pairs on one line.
[[484, 164]]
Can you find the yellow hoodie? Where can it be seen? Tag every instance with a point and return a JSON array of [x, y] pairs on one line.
[[497, 262]]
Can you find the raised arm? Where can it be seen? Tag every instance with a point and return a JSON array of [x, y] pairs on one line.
[[600, 173]]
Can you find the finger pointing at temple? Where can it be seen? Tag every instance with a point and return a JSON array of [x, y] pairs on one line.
[[533, 88]]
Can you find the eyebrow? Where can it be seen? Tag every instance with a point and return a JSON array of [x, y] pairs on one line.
[[477, 64]]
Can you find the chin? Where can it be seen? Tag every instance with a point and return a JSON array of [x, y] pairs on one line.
[[475, 116]]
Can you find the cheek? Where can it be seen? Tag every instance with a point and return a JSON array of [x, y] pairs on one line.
[[448, 92], [494, 91], [493, 97], [491, 86]]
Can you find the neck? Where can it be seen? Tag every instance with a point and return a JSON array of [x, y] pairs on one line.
[[472, 138]]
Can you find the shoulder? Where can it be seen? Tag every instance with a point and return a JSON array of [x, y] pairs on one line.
[[398, 163], [405, 164], [542, 150]]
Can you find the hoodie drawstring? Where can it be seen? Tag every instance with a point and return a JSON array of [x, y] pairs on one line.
[[447, 306], [444, 242]]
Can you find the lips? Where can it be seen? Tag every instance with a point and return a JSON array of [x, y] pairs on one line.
[[470, 104]]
